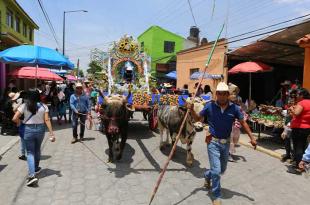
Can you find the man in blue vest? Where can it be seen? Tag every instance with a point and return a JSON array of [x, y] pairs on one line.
[[220, 115]]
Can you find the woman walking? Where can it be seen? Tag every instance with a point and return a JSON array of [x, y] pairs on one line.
[[300, 125], [35, 115]]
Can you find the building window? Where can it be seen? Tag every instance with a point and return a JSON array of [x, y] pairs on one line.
[[25, 29], [193, 70], [30, 34], [169, 46], [9, 18], [17, 24]]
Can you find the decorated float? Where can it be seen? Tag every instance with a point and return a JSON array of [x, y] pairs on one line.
[[128, 71]]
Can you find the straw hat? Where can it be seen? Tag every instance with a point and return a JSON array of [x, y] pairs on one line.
[[286, 82], [222, 87], [78, 85], [167, 85], [14, 96], [233, 89]]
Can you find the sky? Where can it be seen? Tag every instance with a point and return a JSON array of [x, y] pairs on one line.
[[106, 21]]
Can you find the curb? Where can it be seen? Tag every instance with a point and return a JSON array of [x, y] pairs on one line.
[[261, 149], [8, 146]]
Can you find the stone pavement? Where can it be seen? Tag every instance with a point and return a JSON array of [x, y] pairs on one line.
[[7, 142], [79, 174]]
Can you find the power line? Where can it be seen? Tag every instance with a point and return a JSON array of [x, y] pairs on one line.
[[277, 24], [92, 46], [191, 9], [49, 22], [241, 39]]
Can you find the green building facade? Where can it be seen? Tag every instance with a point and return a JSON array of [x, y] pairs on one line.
[[161, 45], [16, 26]]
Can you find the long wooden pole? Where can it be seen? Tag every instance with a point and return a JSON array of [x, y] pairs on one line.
[[183, 122]]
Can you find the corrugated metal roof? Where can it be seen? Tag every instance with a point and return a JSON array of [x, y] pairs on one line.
[[280, 47]]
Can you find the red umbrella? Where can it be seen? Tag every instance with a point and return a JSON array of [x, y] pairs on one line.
[[35, 73], [71, 78], [250, 67]]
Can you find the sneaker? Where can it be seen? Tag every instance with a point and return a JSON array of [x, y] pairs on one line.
[[217, 202], [38, 170], [74, 140], [32, 181], [207, 184], [81, 138], [22, 157]]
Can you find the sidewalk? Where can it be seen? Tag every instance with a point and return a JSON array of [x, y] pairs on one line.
[[7, 142], [267, 144]]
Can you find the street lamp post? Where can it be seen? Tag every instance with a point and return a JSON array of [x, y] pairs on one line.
[[64, 28]]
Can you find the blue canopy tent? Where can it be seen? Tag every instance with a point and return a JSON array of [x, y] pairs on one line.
[[29, 55], [59, 72], [197, 75], [172, 75]]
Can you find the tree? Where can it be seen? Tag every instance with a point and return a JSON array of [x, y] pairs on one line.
[[94, 67], [81, 73]]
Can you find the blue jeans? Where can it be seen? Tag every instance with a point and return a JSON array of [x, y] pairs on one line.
[[70, 114], [75, 122], [33, 137], [21, 130], [218, 157]]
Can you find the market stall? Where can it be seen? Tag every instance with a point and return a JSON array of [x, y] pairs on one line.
[[267, 116]]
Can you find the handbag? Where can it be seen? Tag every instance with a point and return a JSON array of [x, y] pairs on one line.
[[21, 128]]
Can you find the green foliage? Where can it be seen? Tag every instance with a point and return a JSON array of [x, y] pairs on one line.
[[94, 67], [81, 73]]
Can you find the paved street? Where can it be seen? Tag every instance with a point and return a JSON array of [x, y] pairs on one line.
[[79, 174]]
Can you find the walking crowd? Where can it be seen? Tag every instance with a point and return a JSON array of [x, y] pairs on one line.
[[28, 112]]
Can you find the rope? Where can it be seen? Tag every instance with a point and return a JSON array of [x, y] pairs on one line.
[[183, 123], [90, 121]]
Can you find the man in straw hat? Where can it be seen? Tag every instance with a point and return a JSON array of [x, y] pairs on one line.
[[221, 115], [81, 107]]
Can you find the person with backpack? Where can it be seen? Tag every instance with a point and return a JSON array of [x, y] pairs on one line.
[[35, 116]]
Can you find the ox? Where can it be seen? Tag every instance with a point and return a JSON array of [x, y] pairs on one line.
[[170, 119], [114, 116]]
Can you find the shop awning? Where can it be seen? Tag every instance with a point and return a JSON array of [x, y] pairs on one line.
[[172, 75], [34, 56], [278, 48], [197, 75], [34, 73]]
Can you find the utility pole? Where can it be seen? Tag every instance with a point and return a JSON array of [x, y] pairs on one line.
[[78, 68], [64, 28], [63, 33]]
